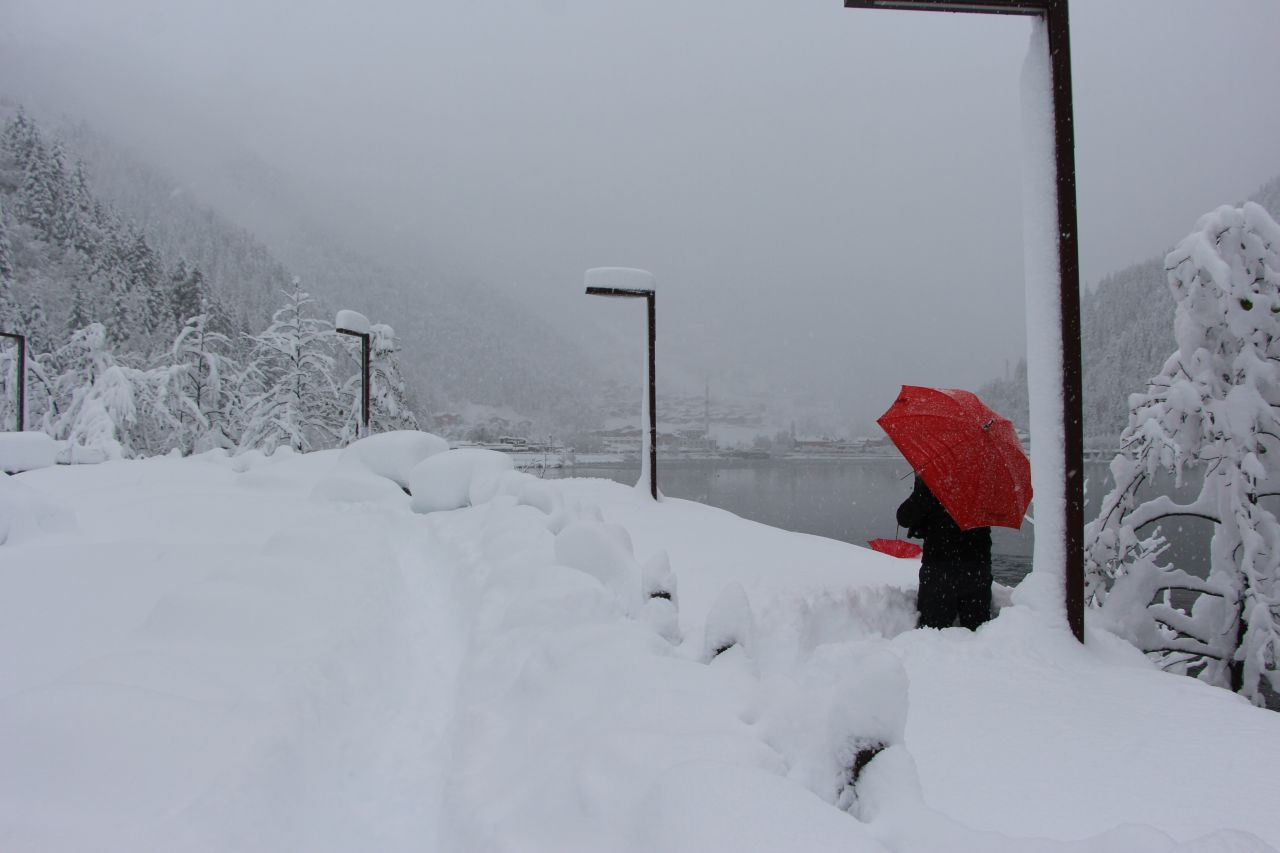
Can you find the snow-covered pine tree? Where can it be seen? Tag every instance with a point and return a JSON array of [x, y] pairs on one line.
[[1212, 408], [80, 215], [389, 407], [186, 292], [152, 302], [42, 191], [220, 319], [35, 323], [20, 139], [292, 398], [8, 323], [8, 306], [79, 316]]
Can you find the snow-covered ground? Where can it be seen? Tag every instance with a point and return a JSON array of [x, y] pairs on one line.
[[280, 654]]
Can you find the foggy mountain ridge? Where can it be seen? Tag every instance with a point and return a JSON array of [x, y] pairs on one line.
[[465, 342], [468, 349], [461, 344], [1126, 336]]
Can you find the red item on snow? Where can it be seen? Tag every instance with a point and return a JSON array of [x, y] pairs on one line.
[[896, 548], [967, 454]]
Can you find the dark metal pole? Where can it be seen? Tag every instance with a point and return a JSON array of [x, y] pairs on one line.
[[22, 377], [1054, 14], [1069, 276], [365, 353], [651, 299], [366, 347]]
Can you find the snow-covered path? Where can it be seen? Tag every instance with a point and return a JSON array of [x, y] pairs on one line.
[[278, 654], [211, 639]]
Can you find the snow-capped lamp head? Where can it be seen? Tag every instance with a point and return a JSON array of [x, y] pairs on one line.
[[351, 323], [619, 281]]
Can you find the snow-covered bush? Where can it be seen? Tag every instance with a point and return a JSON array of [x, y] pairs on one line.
[[89, 398], [1213, 408]]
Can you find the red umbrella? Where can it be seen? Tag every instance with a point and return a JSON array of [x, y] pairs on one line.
[[896, 547], [967, 454]]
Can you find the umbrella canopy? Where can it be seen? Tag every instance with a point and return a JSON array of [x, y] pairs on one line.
[[896, 548], [967, 454]]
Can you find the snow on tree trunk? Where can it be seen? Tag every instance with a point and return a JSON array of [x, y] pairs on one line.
[[1213, 408]]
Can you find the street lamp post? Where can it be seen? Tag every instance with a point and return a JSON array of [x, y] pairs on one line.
[[620, 282], [1053, 13], [22, 376], [356, 325]]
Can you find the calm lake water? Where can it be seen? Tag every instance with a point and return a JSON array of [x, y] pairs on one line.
[[854, 500]]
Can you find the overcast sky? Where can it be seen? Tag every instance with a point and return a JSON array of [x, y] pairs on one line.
[[828, 197]]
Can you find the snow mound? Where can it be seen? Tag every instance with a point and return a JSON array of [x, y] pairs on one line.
[[25, 451], [656, 578], [349, 484], [730, 623], [604, 552], [842, 706], [70, 453], [661, 615], [26, 513], [444, 481], [547, 499], [393, 454], [494, 482]]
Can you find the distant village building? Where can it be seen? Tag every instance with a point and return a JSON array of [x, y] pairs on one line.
[[826, 446]]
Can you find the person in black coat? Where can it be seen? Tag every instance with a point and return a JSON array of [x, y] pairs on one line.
[[955, 569]]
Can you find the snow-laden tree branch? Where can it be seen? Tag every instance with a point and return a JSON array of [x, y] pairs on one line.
[[1211, 409]]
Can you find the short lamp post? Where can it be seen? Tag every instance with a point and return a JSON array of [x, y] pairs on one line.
[[356, 325], [1053, 15], [22, 377], [620, 282]]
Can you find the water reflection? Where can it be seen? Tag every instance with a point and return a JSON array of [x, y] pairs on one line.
[[854, 500]]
